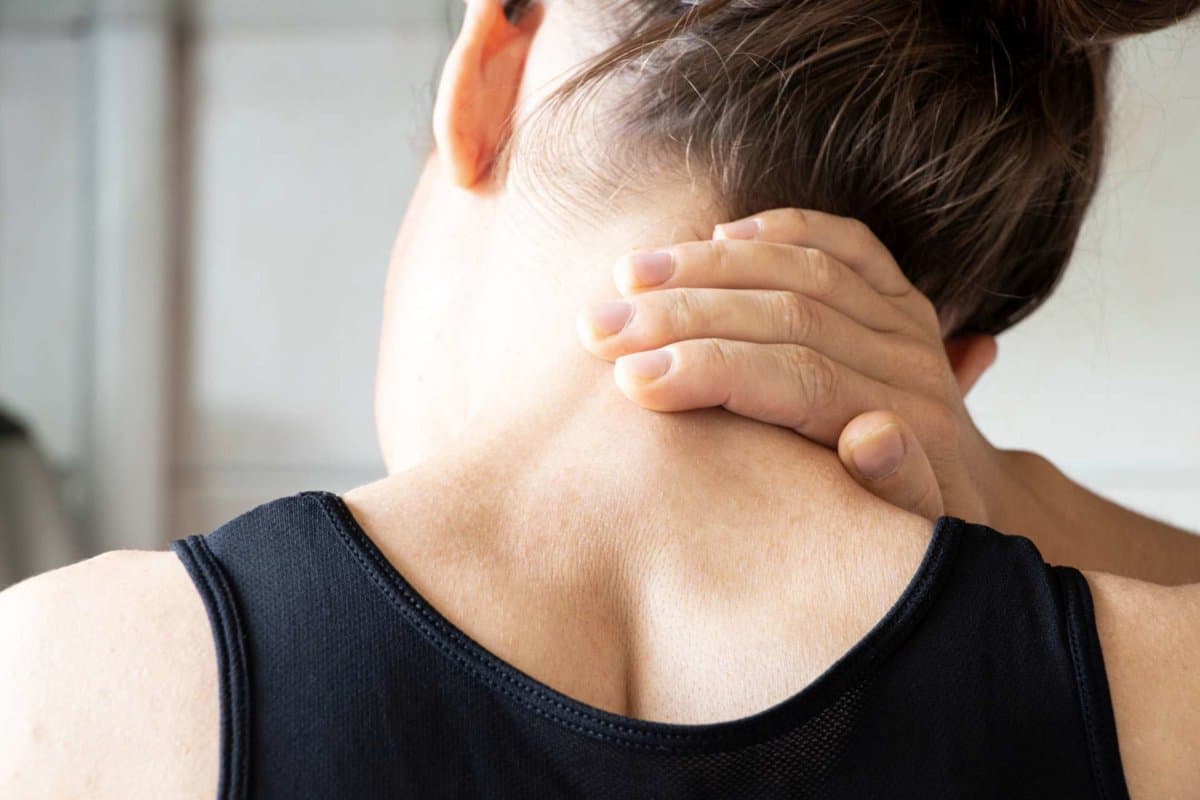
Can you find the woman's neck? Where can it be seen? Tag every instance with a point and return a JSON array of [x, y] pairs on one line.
[[482, 374], [482, 302]]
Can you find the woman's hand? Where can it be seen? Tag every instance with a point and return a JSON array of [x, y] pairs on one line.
[[804, 320]]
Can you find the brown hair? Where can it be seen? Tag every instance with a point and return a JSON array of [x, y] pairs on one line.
[[968, 135]]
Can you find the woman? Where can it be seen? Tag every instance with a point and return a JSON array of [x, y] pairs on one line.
[[557, 594]]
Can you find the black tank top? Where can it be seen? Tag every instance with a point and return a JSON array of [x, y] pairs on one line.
[[337, 680]]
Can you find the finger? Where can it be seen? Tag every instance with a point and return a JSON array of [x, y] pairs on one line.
[[657, 319], [787, 385], [884, 455], [731, 264], [847, 240]]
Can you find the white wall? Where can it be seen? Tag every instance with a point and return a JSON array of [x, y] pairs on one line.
[[302, 136]]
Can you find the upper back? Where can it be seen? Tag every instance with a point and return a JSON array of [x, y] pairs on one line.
[[351, 681], [337, 678]]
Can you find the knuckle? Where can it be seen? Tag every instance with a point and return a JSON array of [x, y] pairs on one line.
[[687, 314], [678, 315], [823, 378], [859, 229], [720, 253], [717, 357], [822, 273], [794, 317], [796, 219], [927, 313], [814, 376]]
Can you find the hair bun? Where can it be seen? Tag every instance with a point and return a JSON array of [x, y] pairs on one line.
[[1103, 21], [1078, 22], [1089, 22]]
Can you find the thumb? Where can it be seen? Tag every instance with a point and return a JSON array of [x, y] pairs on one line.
[[882, 453]]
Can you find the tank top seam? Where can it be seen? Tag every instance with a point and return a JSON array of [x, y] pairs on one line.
[[1084, 689], [875, 646], [1068, 581], [233, 687]]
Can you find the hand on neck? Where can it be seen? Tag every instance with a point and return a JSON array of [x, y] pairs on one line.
[[482, 372]]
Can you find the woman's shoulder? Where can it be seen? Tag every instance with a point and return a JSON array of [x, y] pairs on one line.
[[1150, 638], [110, 684]]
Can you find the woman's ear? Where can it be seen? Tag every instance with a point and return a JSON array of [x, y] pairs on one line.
[[970, 357], [480, 86]]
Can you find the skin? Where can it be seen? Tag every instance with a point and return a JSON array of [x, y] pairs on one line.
[[591, 544], [804, 320]]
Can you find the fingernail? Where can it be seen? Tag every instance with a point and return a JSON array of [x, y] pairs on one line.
[[743, 229], [647, 366], [652, 269], [878, 455], [611, 318]]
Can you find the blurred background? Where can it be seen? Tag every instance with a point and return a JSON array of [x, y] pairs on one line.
[[197, 203]]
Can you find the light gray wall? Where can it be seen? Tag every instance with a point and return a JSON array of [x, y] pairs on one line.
[[302, 133], [43, 175], [306, 145]]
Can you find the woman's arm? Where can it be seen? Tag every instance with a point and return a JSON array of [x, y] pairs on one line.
[[108, 683], [1150, 638], [804, 320]]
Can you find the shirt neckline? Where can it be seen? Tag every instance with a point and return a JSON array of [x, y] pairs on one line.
[[848, 672]]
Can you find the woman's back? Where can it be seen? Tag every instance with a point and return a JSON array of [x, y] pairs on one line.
[[488, 626], [458, 635], [340, 679], [684, 594]]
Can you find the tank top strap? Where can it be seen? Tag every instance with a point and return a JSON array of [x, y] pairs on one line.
[[300, 639], [1095, 702]]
